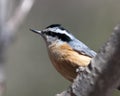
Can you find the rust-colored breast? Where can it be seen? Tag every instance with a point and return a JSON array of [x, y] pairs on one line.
[[66, 60]]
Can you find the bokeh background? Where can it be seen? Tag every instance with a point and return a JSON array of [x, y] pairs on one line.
[[28, 69]]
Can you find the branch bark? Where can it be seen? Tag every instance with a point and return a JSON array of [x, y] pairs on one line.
[[103, 73]]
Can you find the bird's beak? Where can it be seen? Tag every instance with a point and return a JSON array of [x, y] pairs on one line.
[[36, 31]]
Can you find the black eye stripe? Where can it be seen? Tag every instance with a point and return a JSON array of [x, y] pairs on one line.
[[63, 37]]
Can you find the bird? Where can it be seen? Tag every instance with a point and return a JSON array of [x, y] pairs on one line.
[[65, 51]]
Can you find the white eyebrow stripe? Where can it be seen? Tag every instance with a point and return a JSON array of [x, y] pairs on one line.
[[60, 31]]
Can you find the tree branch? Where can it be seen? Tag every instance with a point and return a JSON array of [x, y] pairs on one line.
[[7, 30], [19, 15], [103, 73]]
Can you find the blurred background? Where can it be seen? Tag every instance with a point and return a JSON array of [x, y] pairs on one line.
[[28, 69]]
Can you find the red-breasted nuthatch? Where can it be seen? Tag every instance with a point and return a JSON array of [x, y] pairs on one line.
[[65, 51]]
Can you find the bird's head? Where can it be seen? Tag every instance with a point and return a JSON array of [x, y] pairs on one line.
[[55, 32]]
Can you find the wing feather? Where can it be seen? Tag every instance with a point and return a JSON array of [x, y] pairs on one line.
[[82, 48]]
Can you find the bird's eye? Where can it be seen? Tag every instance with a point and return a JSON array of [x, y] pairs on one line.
[[63, 37], [50, 33]]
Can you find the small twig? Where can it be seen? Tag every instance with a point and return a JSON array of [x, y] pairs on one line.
[[19, 15]]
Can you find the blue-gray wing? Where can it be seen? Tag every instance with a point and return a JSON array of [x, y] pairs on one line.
[[82, 48]]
